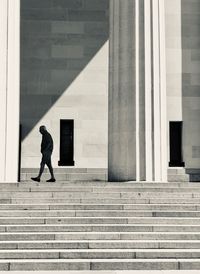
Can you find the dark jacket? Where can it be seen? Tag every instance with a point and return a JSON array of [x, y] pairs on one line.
[[47, 142]]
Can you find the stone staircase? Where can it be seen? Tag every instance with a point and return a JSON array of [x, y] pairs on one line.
[[99, 226]]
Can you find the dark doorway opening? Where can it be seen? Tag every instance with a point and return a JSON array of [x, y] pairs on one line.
[[66, 143], [175, 131]]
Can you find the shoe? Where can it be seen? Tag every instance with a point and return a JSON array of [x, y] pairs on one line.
[[36, 179], [51, 180]]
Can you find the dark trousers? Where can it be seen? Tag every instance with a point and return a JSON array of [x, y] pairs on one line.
[[46, 160]]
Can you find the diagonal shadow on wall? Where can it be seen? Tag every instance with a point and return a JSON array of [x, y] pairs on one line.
[[58, 39]]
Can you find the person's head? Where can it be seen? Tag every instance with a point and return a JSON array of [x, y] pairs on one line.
[[42, 129]]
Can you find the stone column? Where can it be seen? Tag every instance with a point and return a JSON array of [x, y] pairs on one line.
[[9, 89], [137, 96], [159, 92], [122, 101]]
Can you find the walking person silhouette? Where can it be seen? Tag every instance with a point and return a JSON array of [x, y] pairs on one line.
[[46, 150]]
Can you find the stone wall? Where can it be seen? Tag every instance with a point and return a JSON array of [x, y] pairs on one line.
[[64, 75], [191, 81], [183, 73], [173, 62]]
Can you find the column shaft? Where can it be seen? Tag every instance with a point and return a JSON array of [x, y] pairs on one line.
[[163, 92], [137, 91], [9, 87], [148, 93], [3, 84], [122, 111], [141, 105]]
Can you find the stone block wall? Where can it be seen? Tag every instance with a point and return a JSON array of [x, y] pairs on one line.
[[183, 73], [173, 62], [64, 75], [190, 17]]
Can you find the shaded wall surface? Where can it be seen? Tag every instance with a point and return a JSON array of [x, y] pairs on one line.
[[183, 73], [190, 12], [64, 75]]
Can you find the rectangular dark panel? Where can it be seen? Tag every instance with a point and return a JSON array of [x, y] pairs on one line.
[[175, 130], [66, 143]]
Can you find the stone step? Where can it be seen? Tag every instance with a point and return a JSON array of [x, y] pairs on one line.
[[110, 189], [106, 236], [96, 195], [97, 213], [99, 220], [100, 244], [67, 176], [100, 254], [178, 178], [100, 190], [121, 201], [98, 264], [151, 227], [97, 207], [65, 170], [75, 184], [176, 170]]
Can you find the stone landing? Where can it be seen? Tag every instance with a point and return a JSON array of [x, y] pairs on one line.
[[67, 174]]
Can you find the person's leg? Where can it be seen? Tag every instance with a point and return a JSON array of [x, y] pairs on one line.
[[41, 169], [50, 168], [42, 165]]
